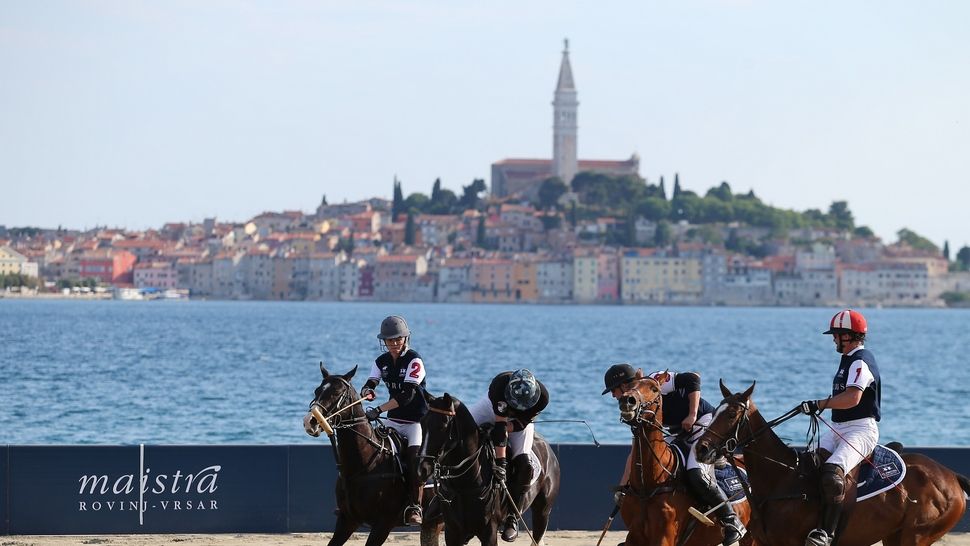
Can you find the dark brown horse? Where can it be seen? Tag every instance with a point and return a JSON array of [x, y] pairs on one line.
[[656, 509], [370, 487], [473, 504], [921, 509]]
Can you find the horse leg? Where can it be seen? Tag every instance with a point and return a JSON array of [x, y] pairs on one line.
[[541, 508], [430, 533], [378, 534], [453, 536], [342, 530]]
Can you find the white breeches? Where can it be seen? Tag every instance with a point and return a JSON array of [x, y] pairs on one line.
[[855, 440], [410, 431]]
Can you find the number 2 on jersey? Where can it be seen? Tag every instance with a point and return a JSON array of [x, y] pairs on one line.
[[415, 370]]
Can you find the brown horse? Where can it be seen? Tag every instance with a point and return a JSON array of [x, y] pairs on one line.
[[370, 484], [656, 509], [921, 509]]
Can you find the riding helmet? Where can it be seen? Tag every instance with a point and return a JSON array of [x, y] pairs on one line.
[[393, 327], [522, 392], [617, 375], [847, 321]]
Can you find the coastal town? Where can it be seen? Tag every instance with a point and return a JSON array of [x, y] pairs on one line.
[[560, 230]]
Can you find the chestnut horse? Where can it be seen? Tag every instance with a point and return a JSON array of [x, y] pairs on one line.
[[656, 509], [370, 485], [921, 509], [473, 504]]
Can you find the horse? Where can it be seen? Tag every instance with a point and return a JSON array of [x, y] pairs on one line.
[[656, 510], [917, 512], [370, 487], [472, 501]]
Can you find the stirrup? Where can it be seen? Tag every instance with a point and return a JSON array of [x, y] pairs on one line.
[[818, 537], [734, 531], [412, 515]]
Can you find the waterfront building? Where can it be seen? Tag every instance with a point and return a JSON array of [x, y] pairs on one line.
[[15, 263], [454, 280], [107, 265], [492, 280], [649, 278], [160, 275], [525, 278], [396, 276], [888, 282], [554, 280]]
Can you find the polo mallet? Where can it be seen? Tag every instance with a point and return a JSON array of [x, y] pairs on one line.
[[702, 516], [609, 522], [518, 515], [324, 424]]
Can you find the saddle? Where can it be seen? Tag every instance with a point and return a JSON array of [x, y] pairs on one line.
[[871, 480]]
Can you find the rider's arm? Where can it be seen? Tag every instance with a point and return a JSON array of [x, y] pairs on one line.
[[849, 398], [693, 402], [389, 405]]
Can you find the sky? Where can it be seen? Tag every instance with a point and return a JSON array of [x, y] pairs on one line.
[[136, 113]]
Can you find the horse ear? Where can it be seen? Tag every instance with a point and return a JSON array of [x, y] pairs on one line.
[[747, 393], [447, 398], [428, 397], [639, 374], [724, 390], [350, 374], [323, 370]]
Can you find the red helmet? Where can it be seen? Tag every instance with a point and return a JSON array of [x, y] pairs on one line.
[[847, 321]]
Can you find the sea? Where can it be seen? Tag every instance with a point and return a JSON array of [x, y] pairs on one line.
[[244, 372]]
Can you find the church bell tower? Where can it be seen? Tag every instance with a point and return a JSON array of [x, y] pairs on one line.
[[564, 127]]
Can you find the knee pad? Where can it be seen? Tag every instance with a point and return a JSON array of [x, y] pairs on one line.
[[833, 483], [500, 435]]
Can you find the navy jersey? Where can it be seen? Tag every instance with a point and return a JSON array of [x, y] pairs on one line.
[[858, 369], [496, 395], [405, 381], [675, 390]]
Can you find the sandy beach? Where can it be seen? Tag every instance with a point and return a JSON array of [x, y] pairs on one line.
[[559, 538]]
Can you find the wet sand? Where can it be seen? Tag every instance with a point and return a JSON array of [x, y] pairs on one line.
[[558, 538]]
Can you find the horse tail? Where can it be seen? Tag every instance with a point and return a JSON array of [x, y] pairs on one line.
[[965, 484]]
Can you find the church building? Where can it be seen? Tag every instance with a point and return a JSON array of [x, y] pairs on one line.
[[523, 176]]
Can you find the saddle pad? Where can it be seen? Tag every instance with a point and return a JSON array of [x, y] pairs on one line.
[[888, 471], [728, 480]]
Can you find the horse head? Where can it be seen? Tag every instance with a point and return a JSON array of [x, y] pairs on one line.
[[440, 430], [641, 400], [723, 435], [330, 401]]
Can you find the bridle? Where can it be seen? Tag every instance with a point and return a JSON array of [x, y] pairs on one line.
[[336, 421], [444, 472], [729, 443], [645, 416]]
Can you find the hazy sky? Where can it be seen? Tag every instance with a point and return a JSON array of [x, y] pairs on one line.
[[133, 113]]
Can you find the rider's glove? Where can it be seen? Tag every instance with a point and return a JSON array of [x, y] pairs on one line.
[[367, 393], [498, 469], [809, 407], [373, 413]]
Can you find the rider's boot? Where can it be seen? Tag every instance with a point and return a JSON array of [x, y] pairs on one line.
[[519, 480], [412, 514], [710, 495], [833, 494]]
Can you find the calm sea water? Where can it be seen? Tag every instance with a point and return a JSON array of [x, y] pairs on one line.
[[113, 372]]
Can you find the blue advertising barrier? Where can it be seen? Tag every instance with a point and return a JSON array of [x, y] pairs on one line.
[[251, 489]]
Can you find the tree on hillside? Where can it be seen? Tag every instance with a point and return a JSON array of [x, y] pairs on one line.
[[677, 189], [397, 205], [654, 209], [470, 194], [480, 232], [416, 202], [863, 232], [409, 229], [323, 202], [663, 191], [550, 191], [963, 257], [630, 230], [722, 192], [662, 235], [436, 190], [916, 240], [841, 215], [572, 214], [946, 250]]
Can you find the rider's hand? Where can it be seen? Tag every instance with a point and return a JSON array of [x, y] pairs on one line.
[[367, 393], [498, 469], [688, 423], [618, 493], [809, 407], [373, 413]]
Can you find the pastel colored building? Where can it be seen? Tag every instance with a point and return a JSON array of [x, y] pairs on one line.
[[161, 275], [107, 265], [493, 280]]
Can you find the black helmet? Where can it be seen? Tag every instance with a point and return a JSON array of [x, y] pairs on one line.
[[522, 392], [393, 327], [617, 375]]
